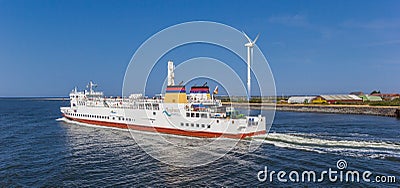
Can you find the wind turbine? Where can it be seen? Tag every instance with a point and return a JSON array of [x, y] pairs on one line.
[[249, 46]]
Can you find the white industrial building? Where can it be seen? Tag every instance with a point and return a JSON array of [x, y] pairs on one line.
[[300, 99]]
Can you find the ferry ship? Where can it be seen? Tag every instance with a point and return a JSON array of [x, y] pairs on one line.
[[196, 114]]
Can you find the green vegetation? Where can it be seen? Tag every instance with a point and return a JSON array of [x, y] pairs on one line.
[[394, 102], [226, 99], [375, 92], [255, 100]]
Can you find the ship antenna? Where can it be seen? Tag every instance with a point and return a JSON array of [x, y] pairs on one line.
[[90, 86]]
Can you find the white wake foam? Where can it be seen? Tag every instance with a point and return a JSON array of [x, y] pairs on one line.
[[373, 149]]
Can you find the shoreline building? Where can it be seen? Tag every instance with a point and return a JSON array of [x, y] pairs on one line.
[[301, 99], [332, 99], [387, 96]]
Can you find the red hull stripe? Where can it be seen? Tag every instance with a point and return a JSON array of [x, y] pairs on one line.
[[165, 130]]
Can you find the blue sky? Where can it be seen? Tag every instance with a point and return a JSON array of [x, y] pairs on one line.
[[313, 47]]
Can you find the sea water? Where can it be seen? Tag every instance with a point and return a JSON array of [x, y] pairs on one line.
[[36, 150]]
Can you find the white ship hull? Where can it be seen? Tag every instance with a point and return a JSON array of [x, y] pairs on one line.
[[166, 119]]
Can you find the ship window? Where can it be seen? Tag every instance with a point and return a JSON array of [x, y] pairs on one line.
[[154, 113], [187, 114], [108, 117], [192, 124], [208, 126], [217, 121], [148, 107], [202, 125], [119, 118], [197, 115], [203, 115], [156, 107], [113, 118], [197, 125], [187, 124], [141, 106], [123, 119], [181, 124], [192, 115]]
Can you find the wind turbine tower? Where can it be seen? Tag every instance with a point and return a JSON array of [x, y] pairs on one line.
[[249, 46]]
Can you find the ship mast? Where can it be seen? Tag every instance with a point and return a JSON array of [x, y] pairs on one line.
[[171, 75], [90, 86]]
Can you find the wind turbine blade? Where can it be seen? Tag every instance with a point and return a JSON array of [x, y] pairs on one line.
[[255, 40], [247, 37]]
